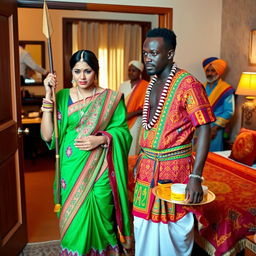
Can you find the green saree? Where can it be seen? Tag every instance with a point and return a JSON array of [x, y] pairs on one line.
[[94, 213]]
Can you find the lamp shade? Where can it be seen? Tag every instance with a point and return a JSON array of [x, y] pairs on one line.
[[247, 84]]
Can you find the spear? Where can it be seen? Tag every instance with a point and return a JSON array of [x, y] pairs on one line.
[[47, 31]]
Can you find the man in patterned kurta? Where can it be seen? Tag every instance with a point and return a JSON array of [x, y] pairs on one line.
[[175, 105]]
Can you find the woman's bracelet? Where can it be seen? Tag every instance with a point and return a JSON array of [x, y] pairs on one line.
[[47, 105], [105, 145], [196, 176]]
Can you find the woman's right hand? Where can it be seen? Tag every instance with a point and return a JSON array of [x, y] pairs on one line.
[[50, 82]]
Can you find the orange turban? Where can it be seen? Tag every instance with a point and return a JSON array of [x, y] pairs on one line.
[[218, 64]]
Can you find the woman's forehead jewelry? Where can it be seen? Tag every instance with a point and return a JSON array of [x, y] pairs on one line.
[[82, 56]]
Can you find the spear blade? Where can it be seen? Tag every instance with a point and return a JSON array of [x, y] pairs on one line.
[[47, 24]]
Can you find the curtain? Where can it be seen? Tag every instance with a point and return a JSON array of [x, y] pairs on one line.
[[114, 44]]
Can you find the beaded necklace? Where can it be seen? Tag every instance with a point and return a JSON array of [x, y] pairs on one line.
[[146, 106]]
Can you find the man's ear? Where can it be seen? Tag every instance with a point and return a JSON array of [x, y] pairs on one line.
[[170, 54]]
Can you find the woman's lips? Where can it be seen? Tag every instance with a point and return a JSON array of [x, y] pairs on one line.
[[83, 82]]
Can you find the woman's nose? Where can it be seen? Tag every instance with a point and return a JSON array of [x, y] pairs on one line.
[[82, 75]]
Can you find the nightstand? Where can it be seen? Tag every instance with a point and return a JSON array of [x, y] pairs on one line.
[[250, 245]]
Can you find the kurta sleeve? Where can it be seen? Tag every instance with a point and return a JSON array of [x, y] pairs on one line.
[[197, 105]]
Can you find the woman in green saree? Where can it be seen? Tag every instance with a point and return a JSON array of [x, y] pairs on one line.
[[94, 142]]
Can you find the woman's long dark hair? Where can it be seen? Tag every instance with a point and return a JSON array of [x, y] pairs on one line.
[[88, 56]]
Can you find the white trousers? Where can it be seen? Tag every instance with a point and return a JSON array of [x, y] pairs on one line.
[[159, 239]]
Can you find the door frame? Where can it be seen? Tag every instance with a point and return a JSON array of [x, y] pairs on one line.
[[13, 236], [165, 17], [67, 43]]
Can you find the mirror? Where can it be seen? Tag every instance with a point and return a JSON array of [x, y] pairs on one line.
[[32, 62]]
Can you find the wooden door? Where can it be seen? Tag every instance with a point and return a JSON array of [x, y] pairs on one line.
[[13, 233]]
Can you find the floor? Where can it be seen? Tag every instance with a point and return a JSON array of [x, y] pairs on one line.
[[42, 222]]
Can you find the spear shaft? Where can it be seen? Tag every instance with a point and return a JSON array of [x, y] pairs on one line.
[[47, 30]]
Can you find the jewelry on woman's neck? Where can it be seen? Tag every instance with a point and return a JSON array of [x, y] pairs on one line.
[[81, 97], [146, 107]]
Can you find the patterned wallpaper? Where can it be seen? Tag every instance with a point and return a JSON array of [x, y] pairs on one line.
[[238, 19]]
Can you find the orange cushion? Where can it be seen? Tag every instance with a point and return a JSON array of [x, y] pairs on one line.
[[244, 147]]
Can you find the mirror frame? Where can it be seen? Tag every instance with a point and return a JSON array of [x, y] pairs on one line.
[[42, 44]]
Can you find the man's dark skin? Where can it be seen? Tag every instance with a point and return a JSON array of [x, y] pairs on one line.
[[158, 59]]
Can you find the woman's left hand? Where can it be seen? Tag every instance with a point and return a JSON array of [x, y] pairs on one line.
[[88, 143]]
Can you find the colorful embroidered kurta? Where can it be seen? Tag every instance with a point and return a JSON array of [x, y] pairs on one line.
[[221, 97], [134, 99], [166, 147], [93, 183]]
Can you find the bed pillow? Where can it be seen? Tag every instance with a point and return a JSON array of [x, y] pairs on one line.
[[244, 147]]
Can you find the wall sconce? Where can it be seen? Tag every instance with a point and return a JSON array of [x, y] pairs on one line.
[[247, 87], [252, 51]]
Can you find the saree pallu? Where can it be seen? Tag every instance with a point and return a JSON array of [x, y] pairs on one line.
[[186, 106], [94, 212]]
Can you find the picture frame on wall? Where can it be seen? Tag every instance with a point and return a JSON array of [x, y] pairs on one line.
[[36, 49]]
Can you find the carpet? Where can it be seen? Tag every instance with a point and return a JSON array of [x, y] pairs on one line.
[[49, 248]]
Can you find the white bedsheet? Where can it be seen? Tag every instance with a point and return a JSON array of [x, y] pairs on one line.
[[226, 154]]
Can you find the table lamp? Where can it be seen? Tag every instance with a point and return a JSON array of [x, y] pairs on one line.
[[247, 87]]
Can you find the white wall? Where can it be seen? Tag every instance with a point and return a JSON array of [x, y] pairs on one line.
[[196, 23]]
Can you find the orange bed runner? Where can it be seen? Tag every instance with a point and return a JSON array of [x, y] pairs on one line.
[[232, 215]]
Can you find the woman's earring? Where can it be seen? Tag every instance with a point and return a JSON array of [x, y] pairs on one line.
[[74, 83]]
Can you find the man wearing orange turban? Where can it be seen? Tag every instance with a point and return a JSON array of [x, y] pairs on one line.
[[221, 97]]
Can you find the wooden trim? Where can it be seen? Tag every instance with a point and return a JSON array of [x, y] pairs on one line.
[[67, 51], [77, 20], [42, 43], [52, 5], [67, 44], [164, 20], [164, 14], [165, 17], [126, 8]]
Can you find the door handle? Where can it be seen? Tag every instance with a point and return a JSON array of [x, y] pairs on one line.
[[23, 131]]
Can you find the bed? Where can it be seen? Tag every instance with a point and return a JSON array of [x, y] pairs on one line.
[[223, 224]]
